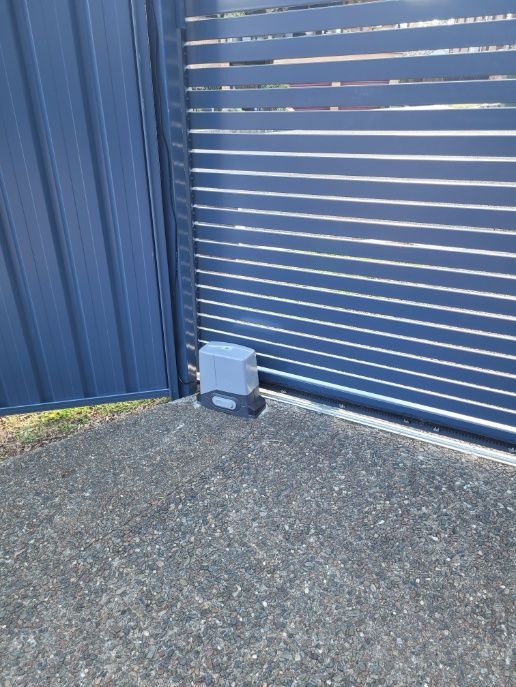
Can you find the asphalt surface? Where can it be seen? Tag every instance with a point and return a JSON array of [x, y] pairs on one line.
[[185, 547]]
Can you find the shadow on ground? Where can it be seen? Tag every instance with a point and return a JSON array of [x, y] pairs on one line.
[[184, 547]]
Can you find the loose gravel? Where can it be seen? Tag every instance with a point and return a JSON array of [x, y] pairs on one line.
[[185, 547]]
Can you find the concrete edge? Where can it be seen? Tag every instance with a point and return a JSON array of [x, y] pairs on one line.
[[394, 428]]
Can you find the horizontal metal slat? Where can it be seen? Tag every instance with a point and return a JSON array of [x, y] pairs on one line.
[[243, 325], [255, 336], [344, 17], [364, 268], [500, 32], [382, 308], [428, 414], [198, 8], [215, 318], [365, 361], [450, 119], [306, 318], [456, 194], [434, 144], [408, 255], [353, 208], [379, 385], [370, 231], [378, 95], [439, 210], [250, 267], [432, 412], [483, 64], [391, 168]]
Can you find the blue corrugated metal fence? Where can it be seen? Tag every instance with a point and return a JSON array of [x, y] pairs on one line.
[[84, 304]]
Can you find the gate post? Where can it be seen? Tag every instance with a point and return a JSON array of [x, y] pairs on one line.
[[166, 23]]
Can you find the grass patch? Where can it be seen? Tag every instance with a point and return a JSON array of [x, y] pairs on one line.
[[20, 433]]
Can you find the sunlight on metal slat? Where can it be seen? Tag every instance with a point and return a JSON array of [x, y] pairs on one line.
[[443, 93], [361, 235], [327, 186], [464, 65], [383, 12], [393, 168], [448, 317], [448, 238], [306, 277], [439, 144], [499, 32], [486, 387]]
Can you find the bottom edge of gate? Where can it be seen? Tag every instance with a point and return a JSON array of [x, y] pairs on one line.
[[447, 438]]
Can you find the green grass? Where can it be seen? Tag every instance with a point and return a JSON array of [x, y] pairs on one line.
[[19, 433]]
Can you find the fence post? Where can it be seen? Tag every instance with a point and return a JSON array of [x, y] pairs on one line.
[[166, 22]]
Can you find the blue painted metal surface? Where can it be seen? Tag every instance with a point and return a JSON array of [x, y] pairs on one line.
[[454, 66], [358, 43], [339, 198], [382, 13], [355, 199], [166, 21], [84, 295]]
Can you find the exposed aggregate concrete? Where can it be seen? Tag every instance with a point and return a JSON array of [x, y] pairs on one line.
[[185, 547]]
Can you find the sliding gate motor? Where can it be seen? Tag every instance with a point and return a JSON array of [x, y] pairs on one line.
[[229, 379]]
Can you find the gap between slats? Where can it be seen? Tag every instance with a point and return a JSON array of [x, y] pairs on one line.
[[339, 239], [398, 168], [341, 325], [350, 394], [383, 382], [354, 16], [383, 40], [360, 277], [257, 341], [509, 277], [344, 327], [343, 343], [373, 315], [363, 296]]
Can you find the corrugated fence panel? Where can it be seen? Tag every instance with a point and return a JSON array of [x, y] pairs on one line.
[[80, 308], [354, 188]]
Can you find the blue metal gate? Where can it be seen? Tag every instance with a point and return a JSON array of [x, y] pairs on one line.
[[337, 189], [353, 179], [85, 311]]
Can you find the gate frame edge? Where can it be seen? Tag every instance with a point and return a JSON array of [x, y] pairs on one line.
[[152, 160], [165, 25]]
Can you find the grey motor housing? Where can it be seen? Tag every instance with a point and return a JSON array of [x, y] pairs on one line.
[[229, 379]]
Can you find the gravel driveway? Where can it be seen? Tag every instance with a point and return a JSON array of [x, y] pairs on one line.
[[184, 547]]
